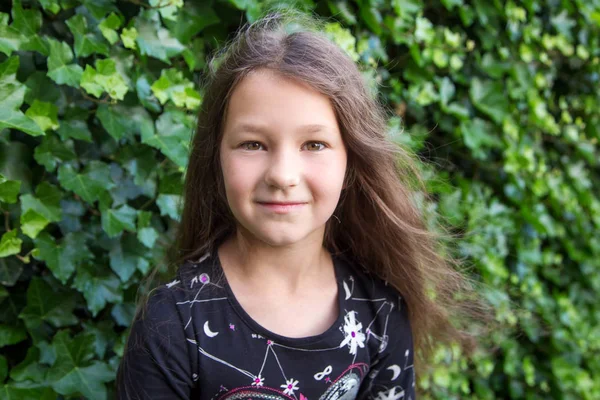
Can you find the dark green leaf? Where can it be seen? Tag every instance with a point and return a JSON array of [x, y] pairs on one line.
[[86, 43], [61, 258], [59, 68], [99, 287], [74, 372], [90, 184]]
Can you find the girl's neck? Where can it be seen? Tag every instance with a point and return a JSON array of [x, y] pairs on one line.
[[285, 266]]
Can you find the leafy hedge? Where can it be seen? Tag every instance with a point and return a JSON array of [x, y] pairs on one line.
[[501, 99]]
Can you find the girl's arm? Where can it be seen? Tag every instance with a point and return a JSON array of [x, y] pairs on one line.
[[157, 362]]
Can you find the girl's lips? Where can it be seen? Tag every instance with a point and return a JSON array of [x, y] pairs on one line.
[[282, 208]]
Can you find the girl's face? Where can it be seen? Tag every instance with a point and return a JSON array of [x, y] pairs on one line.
[[283, 159]]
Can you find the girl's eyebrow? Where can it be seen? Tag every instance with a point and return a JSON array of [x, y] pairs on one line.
[[252, 128]]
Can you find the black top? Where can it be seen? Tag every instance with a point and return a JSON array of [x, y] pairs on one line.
[[197, 342]]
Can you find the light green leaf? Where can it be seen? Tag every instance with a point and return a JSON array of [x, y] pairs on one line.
[[44, 114], [108, 27], [90, 184], [156, 41], [105, 78], [12, 93], [51, 6], [10, 39], [129, 36], [74, 371], [116, 221], [9, 190], [62, 257], [86, 43], [479, 136], [46, 202], [173, 132], [10, 244], [489, 97], [28, 23], [168, 205], [98, 288], [33, 223], [174, 86], [191, 19], [59, 69]]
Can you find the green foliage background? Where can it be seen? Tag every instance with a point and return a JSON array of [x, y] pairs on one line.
[[500, 98]]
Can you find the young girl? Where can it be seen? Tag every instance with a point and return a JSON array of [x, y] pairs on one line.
[[305, 265]]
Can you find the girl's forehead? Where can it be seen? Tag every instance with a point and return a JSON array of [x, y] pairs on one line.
[[267, 98]]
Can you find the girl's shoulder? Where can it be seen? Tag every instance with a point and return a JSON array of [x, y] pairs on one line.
[[202, 274], [357, 280]]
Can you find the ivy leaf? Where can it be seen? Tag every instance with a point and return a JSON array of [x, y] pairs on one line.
[[105, 78], [489, 98], [33, 223], [10, 38], [129, 36], [28, 23], [9, 190], [156, 41], [30, 368], [10, 271], [108, 27], [59, 69], [145, 233], [98, 288], [86, 43], [74, 372], [477, 135], [89, 185], [62, 257], [11, 391], [174, 129], [44, 304], [12, 93], [10, 244], [120, 121], [37, 212], [174, 86], [10, 334], [123, 313], [191, 20], [44, 114], [116, 221], [52, 151], [168, 205], [52, 6], [76, 129], [127, 256]]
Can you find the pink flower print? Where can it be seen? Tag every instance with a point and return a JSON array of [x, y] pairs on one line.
[[258, 381], [232, 327], [289, 387], [352, 329], [302, 397]]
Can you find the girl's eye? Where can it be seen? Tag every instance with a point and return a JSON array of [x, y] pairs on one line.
[[251, 146], [315, 146]]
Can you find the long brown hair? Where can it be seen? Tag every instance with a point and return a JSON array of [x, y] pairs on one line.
[[380, 227]]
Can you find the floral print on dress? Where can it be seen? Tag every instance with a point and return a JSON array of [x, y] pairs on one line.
[[352, 329], [289, 387]]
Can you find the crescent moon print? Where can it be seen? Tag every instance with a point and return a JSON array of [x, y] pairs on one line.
[[396, 370], [208, 332]]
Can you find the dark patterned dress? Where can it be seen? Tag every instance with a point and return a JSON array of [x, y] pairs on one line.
[[195, 341]]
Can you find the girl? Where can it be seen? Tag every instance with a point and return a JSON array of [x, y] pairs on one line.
[[305, 266]]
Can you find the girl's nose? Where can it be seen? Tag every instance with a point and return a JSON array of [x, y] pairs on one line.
[[284, 170]]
